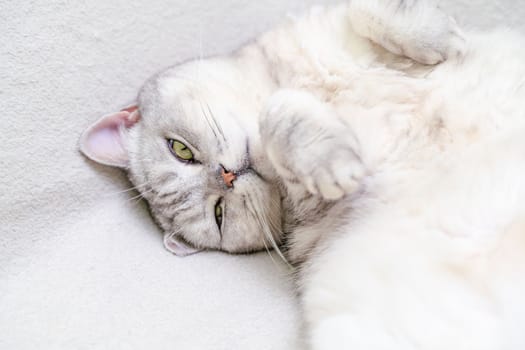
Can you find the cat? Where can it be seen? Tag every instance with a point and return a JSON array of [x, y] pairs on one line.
[[375, 145]]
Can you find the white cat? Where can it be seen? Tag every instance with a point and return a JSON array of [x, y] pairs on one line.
[[376, 145]]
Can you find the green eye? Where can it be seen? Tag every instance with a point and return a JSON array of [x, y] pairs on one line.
[[180, 150], [218, 213]]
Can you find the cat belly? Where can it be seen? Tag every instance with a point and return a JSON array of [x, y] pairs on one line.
[[403, 288], [440, 267]]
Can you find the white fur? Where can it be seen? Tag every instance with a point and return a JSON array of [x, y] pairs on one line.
[[434, 259], [424, 248]]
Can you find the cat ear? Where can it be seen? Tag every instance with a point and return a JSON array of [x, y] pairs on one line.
[[105, 140], [177, 247]]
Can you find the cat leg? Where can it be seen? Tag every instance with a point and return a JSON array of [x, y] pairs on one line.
[[308, 144], [418, 29]]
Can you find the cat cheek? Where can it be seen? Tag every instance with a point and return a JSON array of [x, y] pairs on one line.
[[177, 247]]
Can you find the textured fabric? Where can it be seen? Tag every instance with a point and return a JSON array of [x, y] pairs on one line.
[[81, 263]]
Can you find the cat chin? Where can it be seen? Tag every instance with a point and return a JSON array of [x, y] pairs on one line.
[[178, 247]]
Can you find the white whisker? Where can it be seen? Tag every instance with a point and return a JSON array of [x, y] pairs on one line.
[[267, 230], [140, 196], [134, 188]]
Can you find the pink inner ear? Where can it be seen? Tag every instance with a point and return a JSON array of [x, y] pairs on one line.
[[107, 143], [177, 247], [131, 108], [104, 141]]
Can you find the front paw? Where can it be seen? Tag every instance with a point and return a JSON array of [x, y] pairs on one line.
[[335, 176], [308, 144], [436, 37], [417, 29]]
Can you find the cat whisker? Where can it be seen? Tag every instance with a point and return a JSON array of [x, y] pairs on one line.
[[267, 228], [208, 120], [268, 251], [218, 127], [134, 188], [140, 196], [252, 211]]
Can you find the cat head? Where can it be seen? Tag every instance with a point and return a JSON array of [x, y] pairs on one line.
[[191, 146]]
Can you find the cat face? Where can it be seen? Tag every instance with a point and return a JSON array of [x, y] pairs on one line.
[[192, 148]]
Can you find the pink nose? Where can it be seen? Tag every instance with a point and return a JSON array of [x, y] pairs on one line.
[[228, 177]]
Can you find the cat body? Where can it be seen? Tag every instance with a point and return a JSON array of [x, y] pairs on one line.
[[374, 143]]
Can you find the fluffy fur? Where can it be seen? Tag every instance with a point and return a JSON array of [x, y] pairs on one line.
[[377, 145]]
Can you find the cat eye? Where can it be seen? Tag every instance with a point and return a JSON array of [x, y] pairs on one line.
[[218, 213], [180, 150]]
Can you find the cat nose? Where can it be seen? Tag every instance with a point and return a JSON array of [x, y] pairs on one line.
[[228, 177]]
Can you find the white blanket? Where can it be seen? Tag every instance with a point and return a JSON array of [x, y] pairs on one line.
[[81, 263]]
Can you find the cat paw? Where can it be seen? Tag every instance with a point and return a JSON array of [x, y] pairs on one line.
[[417, 29], [333, 178], [308, 144], [435, 42]]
